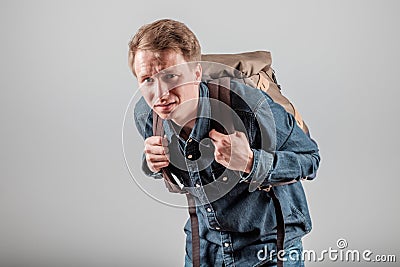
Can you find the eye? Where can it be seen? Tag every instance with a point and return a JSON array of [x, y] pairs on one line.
[[148, 80], [170, 76]]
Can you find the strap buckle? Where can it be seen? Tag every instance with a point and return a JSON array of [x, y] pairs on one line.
[[265, 188]]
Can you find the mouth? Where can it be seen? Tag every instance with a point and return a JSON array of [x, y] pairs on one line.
[[165, 107]]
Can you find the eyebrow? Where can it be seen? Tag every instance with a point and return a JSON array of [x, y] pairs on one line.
[[169, 70], [140, 78], [144, 74]]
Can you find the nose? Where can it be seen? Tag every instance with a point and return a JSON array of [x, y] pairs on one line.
[[162, 91]]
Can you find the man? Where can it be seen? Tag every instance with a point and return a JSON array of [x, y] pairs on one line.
[[238, 225]]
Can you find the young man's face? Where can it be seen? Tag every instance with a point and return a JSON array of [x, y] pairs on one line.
[[168, 85]]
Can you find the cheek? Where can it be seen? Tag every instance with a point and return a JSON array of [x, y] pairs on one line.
[[185, 92], [148, 95], [178, 94]]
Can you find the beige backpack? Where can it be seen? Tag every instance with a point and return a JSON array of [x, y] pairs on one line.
[[255, 68]]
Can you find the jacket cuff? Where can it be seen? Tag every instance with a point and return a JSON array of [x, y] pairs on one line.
[[261, 169]]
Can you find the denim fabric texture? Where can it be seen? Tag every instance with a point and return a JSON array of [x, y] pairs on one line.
[[236, 226]]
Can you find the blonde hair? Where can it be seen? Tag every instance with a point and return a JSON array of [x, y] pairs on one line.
[[162, 35]]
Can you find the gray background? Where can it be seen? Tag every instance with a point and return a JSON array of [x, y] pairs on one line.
[[66, 196]]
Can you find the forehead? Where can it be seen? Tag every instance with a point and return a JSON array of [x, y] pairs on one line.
[[149, 62]]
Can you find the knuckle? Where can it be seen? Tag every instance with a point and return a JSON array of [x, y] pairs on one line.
[[154, 139], [225, 142], [218, 156], [150, 139]]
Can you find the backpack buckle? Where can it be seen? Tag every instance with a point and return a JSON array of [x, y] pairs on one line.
[[265, 188]]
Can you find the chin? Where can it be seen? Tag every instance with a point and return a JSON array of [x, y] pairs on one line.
[[163, 116]]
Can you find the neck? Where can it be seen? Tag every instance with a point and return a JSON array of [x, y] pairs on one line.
[[186, 128], [186, 119]]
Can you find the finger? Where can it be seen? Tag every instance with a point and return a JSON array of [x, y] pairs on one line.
[[157, 158], [156, 141], [239, 134], [242, 136], [219, 156], [216, 136], [159, 165], [221, 160], [164, 141], [156, 150]]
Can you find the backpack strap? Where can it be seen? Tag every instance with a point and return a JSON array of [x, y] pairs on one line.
[[280, 221], [170, 183], [173, 187], [194, 225], [219, 91], [280, 226]]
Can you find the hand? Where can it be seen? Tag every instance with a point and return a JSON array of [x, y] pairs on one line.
[[232, 151], [157, 153]]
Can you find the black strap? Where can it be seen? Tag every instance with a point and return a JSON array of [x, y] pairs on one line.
[[280, 227], [194, 223]]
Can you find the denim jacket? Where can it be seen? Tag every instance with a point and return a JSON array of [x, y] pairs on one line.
[[238, 224]]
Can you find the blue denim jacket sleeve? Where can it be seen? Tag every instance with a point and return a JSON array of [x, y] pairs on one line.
[[293, 155]]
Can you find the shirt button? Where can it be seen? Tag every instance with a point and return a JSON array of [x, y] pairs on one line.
[[197, 185], [208, 209], [224, 178], [226, 245], [189, 156], [190, 140]]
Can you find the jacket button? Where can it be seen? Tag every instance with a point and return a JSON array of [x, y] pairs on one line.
[[226, 244], [217, 228], [197, 185], [224, 178], [189, 156], [208, 210]]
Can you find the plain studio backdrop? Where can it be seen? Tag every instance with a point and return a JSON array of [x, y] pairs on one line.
[[66, 195]]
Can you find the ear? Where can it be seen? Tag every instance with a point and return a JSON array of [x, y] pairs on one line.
[[198, 72]]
